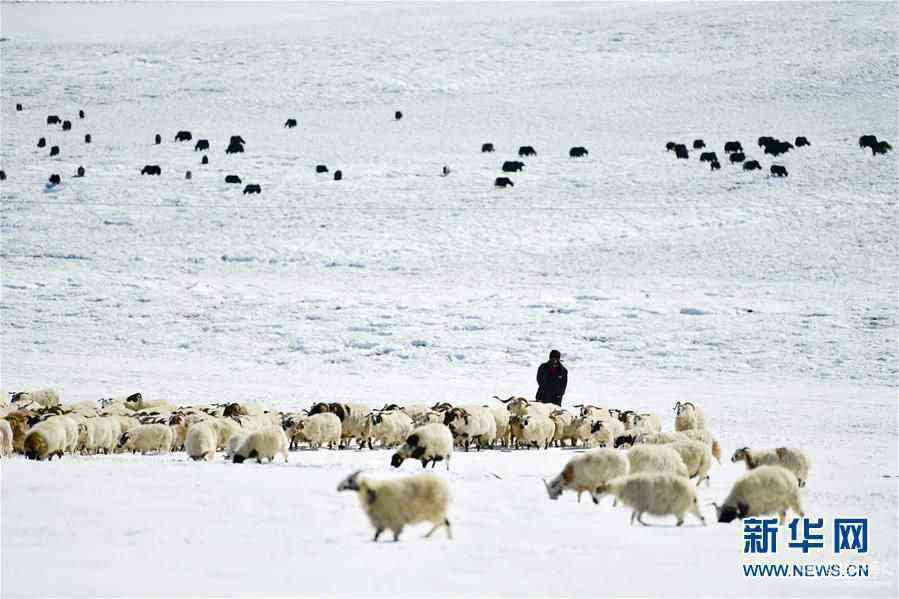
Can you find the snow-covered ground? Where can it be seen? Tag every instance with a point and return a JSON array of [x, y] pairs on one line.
[[771, 302]]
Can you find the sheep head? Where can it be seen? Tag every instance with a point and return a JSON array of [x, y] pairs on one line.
[[350, 483]]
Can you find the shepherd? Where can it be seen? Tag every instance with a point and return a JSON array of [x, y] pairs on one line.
[[552, 379]]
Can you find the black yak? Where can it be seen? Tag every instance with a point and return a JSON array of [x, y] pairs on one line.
[[55, 179], [488, 147], [708, 157], [18, 108], [397, 115], [41, 142], [737, 157], [715, 165], [232, 179], [577, 152], [778, 170], [80, 114], [205, 160], [802, 141], [733, 146], [158, 139], [291, 123], [234, 148], [3, 173], [183, 136], [670, 146], [87, 138], [202, 144], [527, 151], [188, 175], [53, 119], [680, 150], [321, 168], [236, 139], [252, 188], [512, 166], [503, 182], [881, 147], [698, 144], [67, 125], [151, 169], [752, 165], [865, 141], [79, 172], [338, 175], [776, 147], [54, 151]]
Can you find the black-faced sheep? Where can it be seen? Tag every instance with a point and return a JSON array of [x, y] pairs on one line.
[[765, 490], [794, 459], [429, 443], [587, 472]]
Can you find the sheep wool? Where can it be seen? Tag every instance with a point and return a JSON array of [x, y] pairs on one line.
[[764, 490], [45, 440], [6, 437], [202, 441], [794, 459], [587, 472], [656, 493], [394, 503], [147, 438], [429, 443], [655, 458], [697, 457], [262, 444], [319, 429]]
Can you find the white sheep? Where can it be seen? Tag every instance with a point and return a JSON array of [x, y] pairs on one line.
[[387, 428], [318, 430], [594, 412], [501, 417], [605, 431], [655, 458], [45, 397], [45, 440], [563, 420], [793, 459], [707, 438], [661, 437], [262, 444], [429, 443], [688, 416], [394, 503], [146, 438], [656, 493], [429, 417], [587, 472], [537, 430], [107, 430], [353, 419], [471, 423], [765, 490], [201, 441], [697, 457], [5, 439]]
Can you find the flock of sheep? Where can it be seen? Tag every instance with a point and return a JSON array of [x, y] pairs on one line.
[[629, 455]]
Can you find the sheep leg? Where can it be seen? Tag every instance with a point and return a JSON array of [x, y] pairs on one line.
[[797, 507], [640, 519], [447, 463], [397, 533], [377, 534], [680, 519], [633, 517], [783, 516]]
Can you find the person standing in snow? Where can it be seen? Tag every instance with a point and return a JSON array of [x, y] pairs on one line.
[[552, 379]]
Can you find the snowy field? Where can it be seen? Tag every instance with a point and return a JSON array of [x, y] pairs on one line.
[[770, 302]]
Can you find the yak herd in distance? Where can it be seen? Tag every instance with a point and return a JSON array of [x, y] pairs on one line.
[[733, 149]]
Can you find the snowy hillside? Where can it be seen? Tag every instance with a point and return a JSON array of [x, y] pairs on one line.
[[769, 301]]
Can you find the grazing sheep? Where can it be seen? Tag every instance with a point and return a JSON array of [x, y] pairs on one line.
[[656, 458], [802, 141], [503, 182], [512, 166], [54, 179], [779, 170], [318, 430], [656, 493], [429, 443], [392, 504], [234, 148], [577, 152], [776, 147], [86, 436], [183, 136], [252, 188], [290, 123], [234, 443], [688, 416], [487, 147], [752, 165], [146, 438], [527, 151], [6, 439], [733, 146], [431, 416], [45, 397], [389, 428], [793, 459], [680, 152], [501, 416], [587, 472], [765, 490], [45, 440], [697, 457], [698, 144], [201, 441], [202, 144], [353, 419], [262, 444], [471, 423]]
